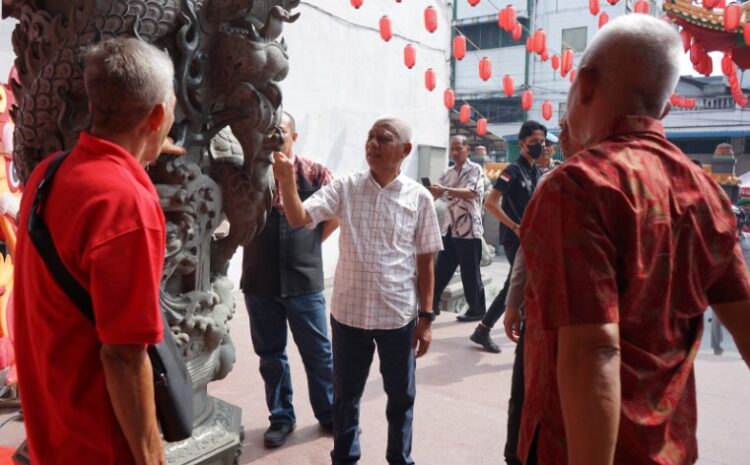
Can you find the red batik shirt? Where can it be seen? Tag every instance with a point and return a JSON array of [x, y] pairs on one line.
[[628, 232]]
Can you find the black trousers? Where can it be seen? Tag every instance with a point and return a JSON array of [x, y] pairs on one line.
[[497, 308], [468, 254], [515, 404]]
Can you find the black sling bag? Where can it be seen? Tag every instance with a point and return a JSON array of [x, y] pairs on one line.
[[173, 388]]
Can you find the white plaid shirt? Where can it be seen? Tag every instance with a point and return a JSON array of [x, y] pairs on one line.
[[382, 232]]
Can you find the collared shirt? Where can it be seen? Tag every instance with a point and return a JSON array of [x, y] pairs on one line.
[[517, 182], [104, 216], [628, 232], [464, 216], [283, 261], [383, 229]]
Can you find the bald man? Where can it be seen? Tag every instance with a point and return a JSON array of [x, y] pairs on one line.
[[626, 244]]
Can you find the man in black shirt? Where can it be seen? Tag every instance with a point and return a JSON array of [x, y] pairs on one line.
[[282, 279], [507, 202]]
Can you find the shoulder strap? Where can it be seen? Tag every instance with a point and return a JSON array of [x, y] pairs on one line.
[[42, 240]]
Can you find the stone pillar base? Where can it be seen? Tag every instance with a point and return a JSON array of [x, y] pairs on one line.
[[217, 440]]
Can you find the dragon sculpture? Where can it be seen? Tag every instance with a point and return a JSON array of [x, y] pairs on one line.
[[228, 59]]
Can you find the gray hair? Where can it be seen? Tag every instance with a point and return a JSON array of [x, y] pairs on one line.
[[639, 57], [463, 139], [125, 79], [400, 127]]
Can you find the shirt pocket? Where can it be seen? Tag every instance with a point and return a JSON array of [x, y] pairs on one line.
[[405, 219]]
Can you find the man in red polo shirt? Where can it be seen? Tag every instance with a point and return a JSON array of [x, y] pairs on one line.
[[626, 244], [87, 390]]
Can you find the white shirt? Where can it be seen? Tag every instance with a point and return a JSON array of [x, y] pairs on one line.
[[382, 232], [464, 216]]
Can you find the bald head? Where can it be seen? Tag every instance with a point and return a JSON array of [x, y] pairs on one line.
[[638, 58]]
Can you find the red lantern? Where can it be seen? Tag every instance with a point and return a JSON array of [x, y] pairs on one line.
[[603, 19], [429, 79], [449, 98], [485, 69], [410, 56], [572, 76], [707, 64], [540, 41], [696, 53], [641, 6], [508, 86], [459, 47], [464, 115], [481, 126], [746, 33], [473, 2], [567, 61], [732, 15], [530, 43], [527, 99], [710, 3], [517, 32], [545, 55], [386, 31], [430, 19], [686, 39], [511, 18], [727, 66], [594, 7], [547, 110], [555, 62], [357, 3], [502, 19]]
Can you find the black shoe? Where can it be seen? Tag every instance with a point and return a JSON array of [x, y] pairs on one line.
[[467, 317], [275, 435], [481, 336]]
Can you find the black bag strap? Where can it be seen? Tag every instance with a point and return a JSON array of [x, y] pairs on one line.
[[42, 240]]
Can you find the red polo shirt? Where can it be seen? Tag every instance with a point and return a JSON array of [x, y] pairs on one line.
[[104, 217], [628, 232]]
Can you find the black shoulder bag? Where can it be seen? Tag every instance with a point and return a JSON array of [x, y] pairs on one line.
[[173, 388]]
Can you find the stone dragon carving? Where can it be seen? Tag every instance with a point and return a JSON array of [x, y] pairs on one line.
[[228, 60]]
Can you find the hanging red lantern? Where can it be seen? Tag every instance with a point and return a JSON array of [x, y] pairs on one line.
[[430, 79], [545, 55], [502, 19], [485, 69], [481, 126], [511, 21], [508, 86], [555, 62], [410, 56], [641, 6], [707, 64], [727, 66], [696, 53], [473, 2], [527, 99], [686, 39], [594, 7], [430, 19], [530, 43], [449, 98], [517, 31], [540, 41], [732, 14], [547, 110], [459, 47], [386, 31], [566, 63], [464, 114], [572, 76], [603, 19], [710, 3], [357, 3]]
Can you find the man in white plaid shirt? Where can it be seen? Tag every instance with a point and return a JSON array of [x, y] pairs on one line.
[[383, 286]]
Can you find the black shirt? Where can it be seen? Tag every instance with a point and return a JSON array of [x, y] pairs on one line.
[[517, 183]]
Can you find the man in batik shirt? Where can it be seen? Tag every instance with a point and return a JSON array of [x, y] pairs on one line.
[[626, 244]]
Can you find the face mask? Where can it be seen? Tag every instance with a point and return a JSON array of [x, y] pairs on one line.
[[535, 150]]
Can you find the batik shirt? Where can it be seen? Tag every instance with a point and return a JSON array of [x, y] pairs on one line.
[[464, 216], [628, 232]]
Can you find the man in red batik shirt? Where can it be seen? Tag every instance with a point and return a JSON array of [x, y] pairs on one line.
[[626, 244]]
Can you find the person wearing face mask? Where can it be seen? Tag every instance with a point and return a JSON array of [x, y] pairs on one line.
[[507, 202]]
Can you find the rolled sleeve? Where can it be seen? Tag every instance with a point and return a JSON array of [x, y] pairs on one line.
[[325, 204], [571, 260], [429, 239]]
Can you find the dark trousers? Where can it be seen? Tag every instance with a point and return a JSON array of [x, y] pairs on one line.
[[515, 404], [468, 254], [497, 308], [353, 350], [306, 316]]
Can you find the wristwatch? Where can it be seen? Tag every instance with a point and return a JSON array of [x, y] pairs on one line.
[[427, 315]]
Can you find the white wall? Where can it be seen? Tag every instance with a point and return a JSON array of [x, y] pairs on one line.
[[6, 49]]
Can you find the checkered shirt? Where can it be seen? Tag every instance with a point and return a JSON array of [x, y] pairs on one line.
[[382, 232]]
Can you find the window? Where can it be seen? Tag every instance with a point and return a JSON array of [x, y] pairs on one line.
[[504, 110], [574, 38], [489, 35]]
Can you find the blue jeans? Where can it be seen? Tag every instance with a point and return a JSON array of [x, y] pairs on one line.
[[306, 316], [353, 349]]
